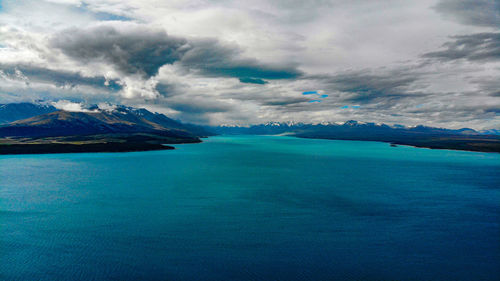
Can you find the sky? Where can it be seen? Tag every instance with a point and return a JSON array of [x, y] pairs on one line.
[[429, 62]]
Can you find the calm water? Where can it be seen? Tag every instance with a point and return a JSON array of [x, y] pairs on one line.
[[252, 208]]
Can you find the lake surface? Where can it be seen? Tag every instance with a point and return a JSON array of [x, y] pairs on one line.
[[252, 208]]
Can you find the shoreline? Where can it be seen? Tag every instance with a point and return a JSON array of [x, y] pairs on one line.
[[134, 146], [394, 144], [457, 145], [58, 148]]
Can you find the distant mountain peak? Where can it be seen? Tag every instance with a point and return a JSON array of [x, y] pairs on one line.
[[15, 111], [351, 123], [350, 127], [93, 120]]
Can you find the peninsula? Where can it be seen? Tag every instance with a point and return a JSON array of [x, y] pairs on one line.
[[120, 129]]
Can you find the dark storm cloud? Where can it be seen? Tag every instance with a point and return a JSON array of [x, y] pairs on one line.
[[369, 86], [166, 89], [471, 12], [139, 50], [284, 101], [135, 50], [58, 78], [198, 106], [482, 47], [211, 58], [488, 85], [495, 110]]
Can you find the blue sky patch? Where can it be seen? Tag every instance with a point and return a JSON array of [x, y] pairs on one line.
[[319, 96], [103, 16]]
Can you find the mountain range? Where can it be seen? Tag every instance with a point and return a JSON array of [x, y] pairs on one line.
[[46, 129], [17, 111], [27, 123], [419, 136], [118, 120], [350, 127]]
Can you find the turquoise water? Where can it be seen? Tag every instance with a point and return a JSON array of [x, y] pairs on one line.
[[252, 208]]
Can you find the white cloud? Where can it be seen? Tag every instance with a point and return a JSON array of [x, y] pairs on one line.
[[70, 106], [106, 106], [361, 49]]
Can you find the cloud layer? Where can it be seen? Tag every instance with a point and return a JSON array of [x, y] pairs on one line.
[[131, 49], [216, 62]]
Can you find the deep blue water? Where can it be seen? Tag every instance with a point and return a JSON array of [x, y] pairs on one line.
[[252, 208]]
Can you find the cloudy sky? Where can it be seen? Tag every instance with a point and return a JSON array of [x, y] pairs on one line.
[[432, 62]]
